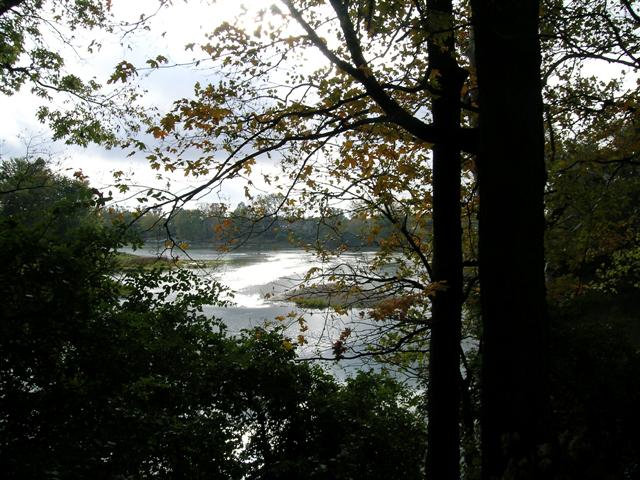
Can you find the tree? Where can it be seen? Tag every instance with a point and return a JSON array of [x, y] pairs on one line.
[[374, 93], [443, 458], [592, 199], [372, 96], [128, 379], [591, 241], [592, 143], [34, 34], [511, 175], [28, 186], [595, 418]]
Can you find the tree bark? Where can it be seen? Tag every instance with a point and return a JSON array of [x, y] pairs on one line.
[[511, 176], [444, 394]]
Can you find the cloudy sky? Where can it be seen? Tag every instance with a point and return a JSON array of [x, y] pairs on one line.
[[181, 24]]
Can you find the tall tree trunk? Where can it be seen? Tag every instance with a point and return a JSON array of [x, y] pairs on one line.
[[443, 455], [511, 228]]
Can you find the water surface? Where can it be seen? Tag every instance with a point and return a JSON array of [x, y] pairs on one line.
[[258, 283]]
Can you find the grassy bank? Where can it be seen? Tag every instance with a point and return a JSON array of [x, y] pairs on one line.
[[129, 261], [331, 296]]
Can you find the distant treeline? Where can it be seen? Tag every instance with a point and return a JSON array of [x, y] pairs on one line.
[[252, 227]]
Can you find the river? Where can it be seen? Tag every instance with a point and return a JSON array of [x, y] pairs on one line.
[[259, 280]]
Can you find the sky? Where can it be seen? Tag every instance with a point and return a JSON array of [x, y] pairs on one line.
[[21, 132]]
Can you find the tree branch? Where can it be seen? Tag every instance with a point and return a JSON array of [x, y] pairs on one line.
[[6, 5], [464, 138]]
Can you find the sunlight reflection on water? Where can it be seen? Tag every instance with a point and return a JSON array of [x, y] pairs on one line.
[[259, 278]]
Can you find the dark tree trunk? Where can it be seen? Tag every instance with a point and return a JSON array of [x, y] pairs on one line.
[[511, 185], [443, 456]]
